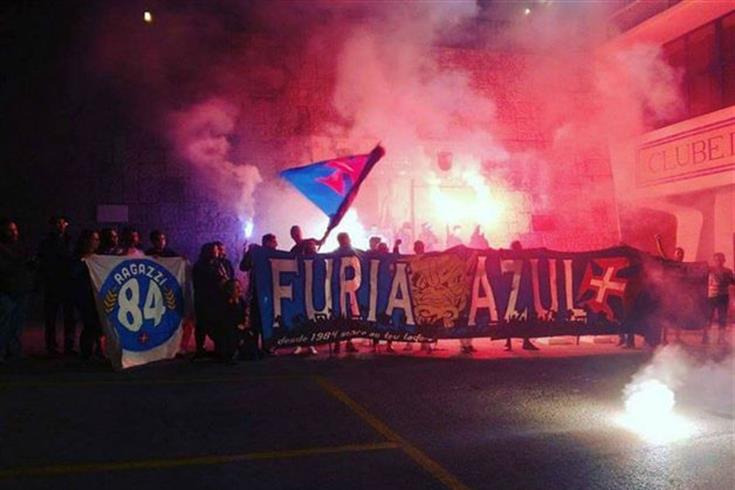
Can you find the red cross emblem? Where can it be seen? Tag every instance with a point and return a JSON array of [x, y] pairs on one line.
[[343, 167], [605, 285]]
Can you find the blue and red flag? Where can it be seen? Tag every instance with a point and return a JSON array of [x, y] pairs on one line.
[[333, 184]]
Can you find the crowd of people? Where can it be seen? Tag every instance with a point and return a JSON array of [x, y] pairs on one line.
[[59, 270], [224, 311]]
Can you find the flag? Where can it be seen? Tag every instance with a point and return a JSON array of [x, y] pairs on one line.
[[333, 184], [141, 304], [602, 281]]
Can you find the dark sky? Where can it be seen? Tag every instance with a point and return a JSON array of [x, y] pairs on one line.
[[51, 101]]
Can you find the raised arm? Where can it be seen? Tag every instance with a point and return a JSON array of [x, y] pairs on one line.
[[247, 259]]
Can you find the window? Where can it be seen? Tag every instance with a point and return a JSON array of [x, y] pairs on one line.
[[675, 53], [702, 72], [727, 48], [707, 57]]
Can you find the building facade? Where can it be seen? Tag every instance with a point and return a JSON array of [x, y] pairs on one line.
[[678, 180]]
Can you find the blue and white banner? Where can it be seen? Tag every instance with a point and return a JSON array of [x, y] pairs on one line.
[[464, 292], [141, 304]]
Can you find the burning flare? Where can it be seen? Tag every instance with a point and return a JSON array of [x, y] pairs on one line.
[[248, 228], [649, 413]]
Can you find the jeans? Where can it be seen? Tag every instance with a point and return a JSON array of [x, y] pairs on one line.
[[13, 308], [718, 306]]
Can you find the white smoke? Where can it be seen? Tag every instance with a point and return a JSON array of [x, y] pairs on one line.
[[705, 383], [201, 135]]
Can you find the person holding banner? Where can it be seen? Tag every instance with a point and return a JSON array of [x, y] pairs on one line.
[[306, 248], [376, 248], [516, 246], [332, 185], [719, 280], [303, 246], [345, 248], [84, 297], [159, 248], [130, 243], [419, 248], [208, 282], [109, 242], [246, 265]]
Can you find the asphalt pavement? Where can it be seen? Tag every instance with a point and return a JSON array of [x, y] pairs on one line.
[[374, 421]]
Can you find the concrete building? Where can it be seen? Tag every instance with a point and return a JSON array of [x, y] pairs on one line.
[[678, 180]]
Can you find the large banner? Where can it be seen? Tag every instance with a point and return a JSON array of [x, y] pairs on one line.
[[141, 304], [464, 292]]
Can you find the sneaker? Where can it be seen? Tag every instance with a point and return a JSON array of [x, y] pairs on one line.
[[313, 351], [389, 348], [298, 351], [350, 347]]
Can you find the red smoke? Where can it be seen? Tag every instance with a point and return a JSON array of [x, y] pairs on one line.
[[527, 111]]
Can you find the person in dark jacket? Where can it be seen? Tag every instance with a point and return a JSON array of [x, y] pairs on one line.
[[345, 248], [130, 242], [84, 298], [16, 284], [302, 245], [55, 257], [109, 242], [517, 246], [227, 270], [159, 248], [230, 329], [246, 265], [208, 282]]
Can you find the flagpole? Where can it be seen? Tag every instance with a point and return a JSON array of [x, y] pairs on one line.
[[324, 238], [375, 155]]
